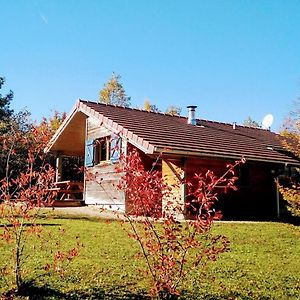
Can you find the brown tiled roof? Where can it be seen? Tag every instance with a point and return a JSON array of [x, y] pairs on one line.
[[172, 134]]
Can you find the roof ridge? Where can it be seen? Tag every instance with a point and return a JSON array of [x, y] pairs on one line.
[[166, 114], [239, 125], [133, 108]]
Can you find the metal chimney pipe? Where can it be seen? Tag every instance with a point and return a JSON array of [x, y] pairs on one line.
[[192, 114]]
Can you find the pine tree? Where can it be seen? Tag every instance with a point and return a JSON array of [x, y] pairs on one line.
[[5, 111]]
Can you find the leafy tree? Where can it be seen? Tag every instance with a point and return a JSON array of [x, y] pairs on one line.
[[21, 124], [291, 141], [172, 249], [18, 124], [5, 111], [150, 107], [21, 198], [114, 93], [251, 123], [9, 123], [173, 110]]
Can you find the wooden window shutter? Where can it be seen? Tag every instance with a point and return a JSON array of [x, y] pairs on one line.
[[115, 148], [89, 153]]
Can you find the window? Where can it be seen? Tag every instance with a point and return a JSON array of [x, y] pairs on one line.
[[101, 150]]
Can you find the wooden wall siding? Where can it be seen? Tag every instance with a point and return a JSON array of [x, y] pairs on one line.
[[95, 130], [173, 174], [255, 199], [106, 193]]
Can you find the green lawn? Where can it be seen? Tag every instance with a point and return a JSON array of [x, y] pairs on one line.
[[264, 263]]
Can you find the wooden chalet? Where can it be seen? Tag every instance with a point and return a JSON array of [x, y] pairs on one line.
[[186, 146]]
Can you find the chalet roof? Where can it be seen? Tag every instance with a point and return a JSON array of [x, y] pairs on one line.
[[157, 132]]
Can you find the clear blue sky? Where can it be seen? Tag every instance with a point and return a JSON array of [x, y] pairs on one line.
[[233, 59]]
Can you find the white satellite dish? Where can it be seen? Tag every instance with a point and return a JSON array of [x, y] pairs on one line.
[[267, 121]]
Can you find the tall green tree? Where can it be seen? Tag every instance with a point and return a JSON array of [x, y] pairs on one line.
[[114, 93], [5, 111]]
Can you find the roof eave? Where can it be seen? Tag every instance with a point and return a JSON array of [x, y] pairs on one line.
[[159, 150]]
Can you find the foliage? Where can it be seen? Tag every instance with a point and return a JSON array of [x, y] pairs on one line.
[[114, 93], [18, 129], [261, 263], [150, 107], [292, 196], [53, 122], [5, 111], [6, 115], [167, 247], [291, 131], [173, 110], [290, 135], [17, 123], [251, 123], [22, 193]]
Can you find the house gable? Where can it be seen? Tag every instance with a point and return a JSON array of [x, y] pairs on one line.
[[71, 135]]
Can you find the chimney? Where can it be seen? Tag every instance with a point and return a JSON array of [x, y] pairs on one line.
[[233, 125], [192, 116]]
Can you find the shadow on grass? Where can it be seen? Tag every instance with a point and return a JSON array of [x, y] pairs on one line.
[[31, 291], [30, 224], [227, 295]]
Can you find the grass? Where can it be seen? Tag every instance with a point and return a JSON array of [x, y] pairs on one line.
[[263, 263]]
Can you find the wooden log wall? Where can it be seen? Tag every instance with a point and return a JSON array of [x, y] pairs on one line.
[[173, 174], [103, 191], [256, 194]]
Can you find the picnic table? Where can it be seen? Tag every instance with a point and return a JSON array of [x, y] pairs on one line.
[[68, 190]]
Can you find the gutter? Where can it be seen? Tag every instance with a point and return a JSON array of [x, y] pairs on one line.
[[219, 155]]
